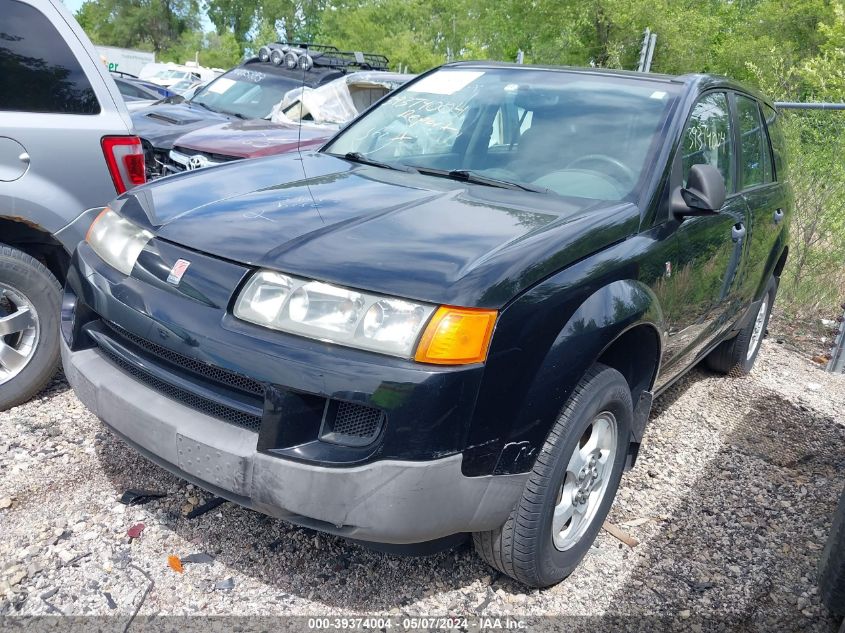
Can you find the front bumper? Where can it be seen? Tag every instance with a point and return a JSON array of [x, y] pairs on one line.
[[243, 412], [388, 501]]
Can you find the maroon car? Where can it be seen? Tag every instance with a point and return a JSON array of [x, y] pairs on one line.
[[305, 118]]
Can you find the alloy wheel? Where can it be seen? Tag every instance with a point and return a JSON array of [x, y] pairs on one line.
[[19, 332], [757, 332], [585, 482]]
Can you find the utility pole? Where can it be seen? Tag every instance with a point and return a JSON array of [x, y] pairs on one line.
[[644, 50], [519, 56], [651, 42]]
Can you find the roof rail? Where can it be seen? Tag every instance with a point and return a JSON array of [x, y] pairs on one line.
[[305, 55]]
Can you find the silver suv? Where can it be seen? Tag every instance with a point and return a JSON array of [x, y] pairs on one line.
[[66, 148]]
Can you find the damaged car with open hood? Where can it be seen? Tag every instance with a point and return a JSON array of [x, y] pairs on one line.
[[305, 118], [451, 319]]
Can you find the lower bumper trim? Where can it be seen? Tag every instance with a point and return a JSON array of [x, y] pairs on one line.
[[387, 501]]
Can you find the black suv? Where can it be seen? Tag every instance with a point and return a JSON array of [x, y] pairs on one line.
[[453, 317], [249, 91]]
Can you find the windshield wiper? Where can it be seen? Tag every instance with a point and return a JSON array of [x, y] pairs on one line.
[[465, 175], [210, 109], [358, 157], [234, 114], [202, 105]]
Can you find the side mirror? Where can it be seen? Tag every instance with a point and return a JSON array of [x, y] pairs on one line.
[[704, 194]]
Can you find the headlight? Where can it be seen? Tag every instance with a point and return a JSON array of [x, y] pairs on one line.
[[453, 336], [116, 240], [331, 313]]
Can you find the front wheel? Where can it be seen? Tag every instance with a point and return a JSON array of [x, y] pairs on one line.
[[571, 487], [30, 301]]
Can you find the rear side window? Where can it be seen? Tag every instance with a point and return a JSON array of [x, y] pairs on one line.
[[768, 167], [128, 89], [753, 146], [778, 142], [707, 139], [38, 72]]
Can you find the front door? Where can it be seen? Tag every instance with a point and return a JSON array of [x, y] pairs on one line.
[[700, 293]]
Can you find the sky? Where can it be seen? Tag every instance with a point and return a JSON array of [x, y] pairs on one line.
[[73, 5]]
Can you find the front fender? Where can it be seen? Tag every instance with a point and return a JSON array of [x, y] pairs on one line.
[[556, 337]]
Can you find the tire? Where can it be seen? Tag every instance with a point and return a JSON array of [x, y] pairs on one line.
[[832, 564], [525, 548], [737, 355], [26, 288]]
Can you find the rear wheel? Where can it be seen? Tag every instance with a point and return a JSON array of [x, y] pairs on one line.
[[738, 354], [30, 301], [571, 487]]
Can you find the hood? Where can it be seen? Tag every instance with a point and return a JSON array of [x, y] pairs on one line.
[[162, 124], [253, 138], [408, 235]]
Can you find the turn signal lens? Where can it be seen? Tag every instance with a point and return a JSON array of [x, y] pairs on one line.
[[456, 336]]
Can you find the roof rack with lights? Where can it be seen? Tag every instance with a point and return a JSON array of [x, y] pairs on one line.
[[305, 55]]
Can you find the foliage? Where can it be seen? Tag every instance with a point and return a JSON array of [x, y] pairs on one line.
[[143, 24]]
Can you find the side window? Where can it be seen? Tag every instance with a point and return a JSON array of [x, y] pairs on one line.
[[497, 137], [752, 167], [707, 139], [768, 168], [128, 89], [772, 118], [504, 133], [38, 72]]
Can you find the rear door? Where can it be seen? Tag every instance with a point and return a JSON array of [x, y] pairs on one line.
[[765, 195], [701, 290], [55, 107]]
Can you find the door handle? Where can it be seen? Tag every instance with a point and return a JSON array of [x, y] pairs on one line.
[[778, 217], [24, 158], [738, 231]]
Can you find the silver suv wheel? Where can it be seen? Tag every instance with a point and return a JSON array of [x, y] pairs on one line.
[[19, 332], [586, 481]]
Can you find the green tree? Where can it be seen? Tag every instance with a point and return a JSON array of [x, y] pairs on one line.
[[232, 16], [144, 24], [210, 49]]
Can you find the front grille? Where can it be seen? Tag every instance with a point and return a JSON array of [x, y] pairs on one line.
[[214, 409], [217, 374], [351, 424]]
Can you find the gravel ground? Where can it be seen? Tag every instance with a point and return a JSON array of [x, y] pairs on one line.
[[730, 503]]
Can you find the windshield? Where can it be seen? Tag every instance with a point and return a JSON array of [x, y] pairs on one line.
[[575, 134], [249, 94]]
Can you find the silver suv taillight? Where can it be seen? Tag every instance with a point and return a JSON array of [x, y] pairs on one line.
[[125, 159]]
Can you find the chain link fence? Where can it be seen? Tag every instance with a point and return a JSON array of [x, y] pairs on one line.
[[813, 284]]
